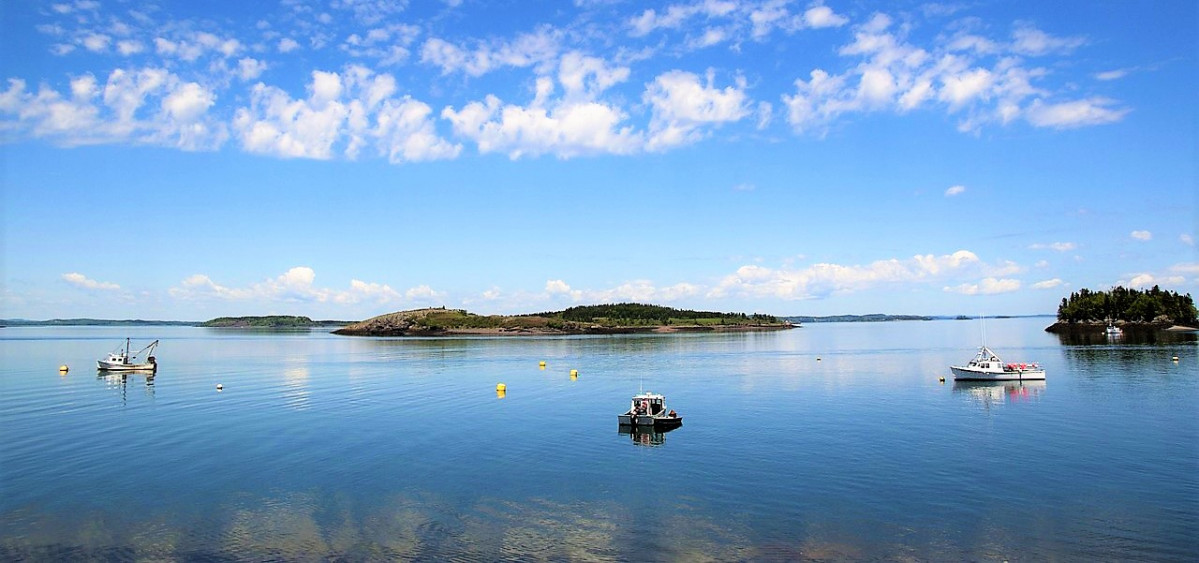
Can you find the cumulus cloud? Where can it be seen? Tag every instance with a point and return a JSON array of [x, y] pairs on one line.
[[823, 280], [823, 16], [1048, 284], [988, 286], [1141, 235], [298, 285], [81, 281], [683, 104], [642, 291], [538, 48], [955, 190], [1186, 239], [147, 105], [344, 112], [981, 81]]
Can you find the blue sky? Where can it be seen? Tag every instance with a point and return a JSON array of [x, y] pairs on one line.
[[186, 160]]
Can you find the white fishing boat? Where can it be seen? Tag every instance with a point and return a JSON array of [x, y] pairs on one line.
[[986, 366], [649, 409], [122, 360], [1113, 330]]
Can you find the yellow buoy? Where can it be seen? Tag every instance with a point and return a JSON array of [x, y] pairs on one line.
[[541, 364], [63, 368], [501, 387], [500, 394], [941, 379], [574, 373]]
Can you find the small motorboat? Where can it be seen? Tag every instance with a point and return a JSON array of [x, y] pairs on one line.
[[1113, 330], [986, 366], [122, 360], [649, 410]]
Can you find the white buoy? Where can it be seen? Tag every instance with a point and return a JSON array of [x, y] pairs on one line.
[[219, 386]]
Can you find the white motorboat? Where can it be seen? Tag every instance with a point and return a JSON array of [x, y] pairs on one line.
[[122, 360], [1113, 330], [649, 409], [986, 366]]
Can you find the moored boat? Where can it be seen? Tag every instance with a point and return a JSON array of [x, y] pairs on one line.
[[122, 360], [986, 366], [649, 409]]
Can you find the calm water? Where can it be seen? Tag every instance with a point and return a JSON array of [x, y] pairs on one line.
[[834, 441]]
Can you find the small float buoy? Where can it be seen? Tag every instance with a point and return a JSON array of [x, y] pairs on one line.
[[64, 369], [941, 379], [541, 364], [501, 387], [1175, 360], [574, 373], [219, 387], [500, 394], [818, 359]]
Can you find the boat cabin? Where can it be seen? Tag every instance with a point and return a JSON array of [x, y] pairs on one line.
[[648, 404]]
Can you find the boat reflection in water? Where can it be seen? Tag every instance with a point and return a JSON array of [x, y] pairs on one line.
[[645, 435], [1000, 392]]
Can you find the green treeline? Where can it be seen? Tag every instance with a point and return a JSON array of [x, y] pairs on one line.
[[1132, 305], [271, 321], [637, 314]]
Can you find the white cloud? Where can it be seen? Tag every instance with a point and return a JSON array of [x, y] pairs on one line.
[[250, 69], [1058, 246], [823, 16], [683, 105], [980, 80], [287, 45], [1141, 235], [148, 105], [539, 48], [823, 280], [1078, 113], [298, 285], [345, 112], [1112, 74], [642, 291], [1186, 239], [1048, 284], [81, 281], [955, 190], [1028, 40], [1191, 269], [1174, 276], [988, 286]]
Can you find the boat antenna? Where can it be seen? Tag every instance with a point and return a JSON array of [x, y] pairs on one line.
[[983, 321]]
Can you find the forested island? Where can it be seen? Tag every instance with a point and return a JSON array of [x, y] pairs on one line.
[[269, 321], [1152, 308], [619, 318]]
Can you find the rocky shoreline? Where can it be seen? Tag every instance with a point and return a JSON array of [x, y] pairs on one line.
[[442, 322], [1096, 326]]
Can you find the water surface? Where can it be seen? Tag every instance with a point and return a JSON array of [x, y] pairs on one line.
[[834, 441]]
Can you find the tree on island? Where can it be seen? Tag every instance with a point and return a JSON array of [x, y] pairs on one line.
[[1131, 305]]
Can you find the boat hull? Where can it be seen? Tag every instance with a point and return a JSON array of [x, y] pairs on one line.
[[107, 366], [650, 421], [967, 374]]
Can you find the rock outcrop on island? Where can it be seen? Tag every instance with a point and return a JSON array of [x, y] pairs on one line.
[[603, 319]]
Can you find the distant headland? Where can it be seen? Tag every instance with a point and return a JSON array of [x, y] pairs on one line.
[[1152, 309], [269, 321], [620, 318]]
